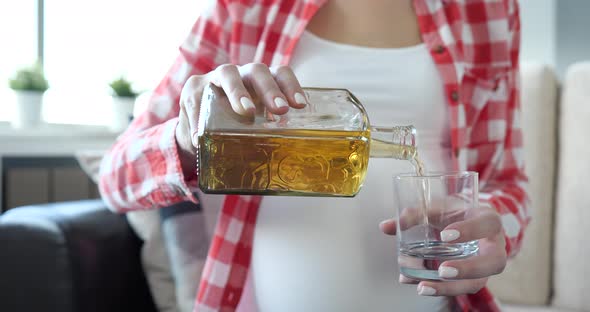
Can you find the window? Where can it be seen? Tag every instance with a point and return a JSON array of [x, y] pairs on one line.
[[89, 43], [18, 44], [18, 41]]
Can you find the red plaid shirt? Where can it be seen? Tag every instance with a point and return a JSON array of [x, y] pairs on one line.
[[475, 44]]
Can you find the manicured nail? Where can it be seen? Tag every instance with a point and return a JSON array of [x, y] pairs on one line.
[[280, 102], [247, 103], [449, 235], [447, 272], [426, 291], [300, 99]]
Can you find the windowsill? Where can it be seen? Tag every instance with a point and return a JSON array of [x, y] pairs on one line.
[[54, 140], [57, 131], [70, 125], [65, 115]]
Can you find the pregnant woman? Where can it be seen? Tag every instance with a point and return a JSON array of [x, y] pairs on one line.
[[449, 67]]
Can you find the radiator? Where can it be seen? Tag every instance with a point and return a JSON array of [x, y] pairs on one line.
[[37, 180]]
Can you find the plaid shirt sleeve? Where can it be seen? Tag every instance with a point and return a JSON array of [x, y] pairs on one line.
[[142, 169], [505, 189]]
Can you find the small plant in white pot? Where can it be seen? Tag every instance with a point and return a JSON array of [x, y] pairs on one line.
[[122, 104], [29, 85]]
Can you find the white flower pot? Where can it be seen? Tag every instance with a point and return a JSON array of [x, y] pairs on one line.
[[28, 109], [121, 113]]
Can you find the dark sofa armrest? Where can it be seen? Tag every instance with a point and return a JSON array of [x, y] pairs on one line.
[[72, 256]]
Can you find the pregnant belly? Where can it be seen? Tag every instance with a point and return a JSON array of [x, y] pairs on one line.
[[327, 254]]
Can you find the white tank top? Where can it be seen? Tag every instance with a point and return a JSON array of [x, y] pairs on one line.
[[328, 254]]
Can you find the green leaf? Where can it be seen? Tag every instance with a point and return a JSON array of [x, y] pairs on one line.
[[29, 79], [122, 87]]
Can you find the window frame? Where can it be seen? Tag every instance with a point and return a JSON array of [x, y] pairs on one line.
[[40, 31]]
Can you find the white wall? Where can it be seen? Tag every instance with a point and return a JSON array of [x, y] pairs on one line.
[[573, 33], [539, 26]]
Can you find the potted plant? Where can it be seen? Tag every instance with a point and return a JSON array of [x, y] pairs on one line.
[[122, 104], [29, 84]]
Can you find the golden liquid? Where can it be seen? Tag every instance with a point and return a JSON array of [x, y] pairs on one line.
[[425, 194], [418, 164], [382, 149], [290, 162]]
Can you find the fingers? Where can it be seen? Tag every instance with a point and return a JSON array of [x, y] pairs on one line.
[[480, 223], [437, 218], [491, 260], [189, 104], [277, 89], [410, 217], [388, 226], [229, 79], [454, 288], [406, 280], [441, 212], [289, 85], [259, 77]]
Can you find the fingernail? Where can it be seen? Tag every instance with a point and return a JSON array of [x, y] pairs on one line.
[[247, 103], [280, 102], [426, 291], [447, 272], [300, 99], [449, 235]]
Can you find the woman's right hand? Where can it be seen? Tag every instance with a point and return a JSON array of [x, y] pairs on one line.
[[277, 89]]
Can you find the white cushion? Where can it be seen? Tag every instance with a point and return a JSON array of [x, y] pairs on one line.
[[514, 308], [526, 279], [572, 286], [154, 259]]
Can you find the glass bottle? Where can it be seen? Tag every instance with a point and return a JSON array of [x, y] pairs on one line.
[[320, 150]]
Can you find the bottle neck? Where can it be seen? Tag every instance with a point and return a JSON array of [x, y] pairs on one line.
[[393, 142]]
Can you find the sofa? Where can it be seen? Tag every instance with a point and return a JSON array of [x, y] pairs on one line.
[[77, 256], [71, 256], [549, 274]]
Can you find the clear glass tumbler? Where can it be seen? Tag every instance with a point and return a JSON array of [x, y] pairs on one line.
[[426, 206]]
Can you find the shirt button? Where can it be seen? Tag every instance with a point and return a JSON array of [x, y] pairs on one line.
[[439, 49], [455, 96]]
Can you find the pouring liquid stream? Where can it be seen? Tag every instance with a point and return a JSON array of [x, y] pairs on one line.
[[425, 194]]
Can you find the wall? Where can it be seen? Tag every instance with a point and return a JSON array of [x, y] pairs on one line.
[[538, 24], [555, 32], [573, 33]]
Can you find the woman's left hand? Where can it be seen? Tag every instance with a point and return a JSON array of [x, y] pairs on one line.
[[469, 275]]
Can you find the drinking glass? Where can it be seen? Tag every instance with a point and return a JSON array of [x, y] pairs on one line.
[[426, 205]]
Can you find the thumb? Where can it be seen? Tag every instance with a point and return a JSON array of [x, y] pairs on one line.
[[388, 226]]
